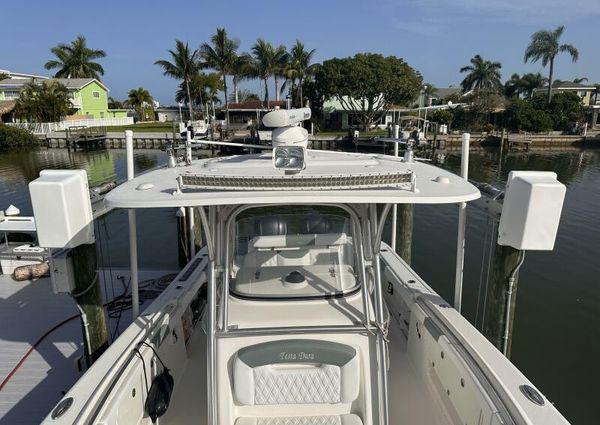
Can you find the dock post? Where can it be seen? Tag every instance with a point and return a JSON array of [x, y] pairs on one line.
[[462, 220], [88, 296], [498, 312], [133, 260], [406, 216]]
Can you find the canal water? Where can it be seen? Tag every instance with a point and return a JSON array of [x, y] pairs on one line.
[[556, 340]]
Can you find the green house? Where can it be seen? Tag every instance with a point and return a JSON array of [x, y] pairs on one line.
[[88, 96]]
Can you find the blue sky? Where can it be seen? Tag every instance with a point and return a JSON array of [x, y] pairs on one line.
[[436, 37]]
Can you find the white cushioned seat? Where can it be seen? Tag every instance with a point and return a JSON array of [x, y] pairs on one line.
[[348, 419], [297, 371]]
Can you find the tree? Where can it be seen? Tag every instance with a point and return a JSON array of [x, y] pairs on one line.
[[523, 85], [483, 105], [545, 46], [183, 64], [565, 109], [368, 84], [512, 87], [522, 115], [482, 74], [243, 96], [298, 68], [221, 56], [580, 80], [75, 60], [530, 82], [242, 70], [428, 91], [269, 61], [114, 104], [139, 99], [4, 76], [203, 88], [442, 116], [315, 90], [47, 101]]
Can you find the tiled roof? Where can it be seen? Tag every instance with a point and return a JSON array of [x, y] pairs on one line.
[[443, 92]]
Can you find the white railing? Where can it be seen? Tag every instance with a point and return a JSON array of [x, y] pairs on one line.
[[48, 127]]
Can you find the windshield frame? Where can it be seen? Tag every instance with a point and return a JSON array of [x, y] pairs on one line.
[[229, 256]]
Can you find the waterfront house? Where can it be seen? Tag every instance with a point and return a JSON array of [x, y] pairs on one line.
[[586, 92], [338, 118], [248, 112], [89, 96], [590, 98]]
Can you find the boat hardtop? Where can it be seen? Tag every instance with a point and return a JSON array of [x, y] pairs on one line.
[[329, 176]]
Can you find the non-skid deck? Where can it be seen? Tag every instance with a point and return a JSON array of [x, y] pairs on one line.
[[27, 311]]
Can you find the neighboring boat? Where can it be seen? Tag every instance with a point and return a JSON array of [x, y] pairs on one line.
[[295, 311], [16, 251], [199, 129]]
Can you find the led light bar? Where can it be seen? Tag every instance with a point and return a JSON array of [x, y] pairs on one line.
[[404, 180]]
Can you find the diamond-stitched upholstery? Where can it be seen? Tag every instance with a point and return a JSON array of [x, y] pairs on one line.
[[303, 420], [296, 371], [297, 385]]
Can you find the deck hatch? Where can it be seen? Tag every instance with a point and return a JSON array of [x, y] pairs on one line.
[[401, 180]]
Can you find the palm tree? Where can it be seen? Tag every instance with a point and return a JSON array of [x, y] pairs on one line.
[[243, 96], [280, 61], [482, 74], [75, 60], [138, 99], [530, 82], [221, 56], [512, 87], [183, 64], [580, 80], [299, 67], [203, 88], [47, 101], [242, 70], [544, 46], [269, 61]]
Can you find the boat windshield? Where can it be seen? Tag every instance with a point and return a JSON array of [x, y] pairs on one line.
[[295, 252]]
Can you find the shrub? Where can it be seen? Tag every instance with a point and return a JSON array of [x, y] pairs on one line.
[[523, 115], [12, 137]]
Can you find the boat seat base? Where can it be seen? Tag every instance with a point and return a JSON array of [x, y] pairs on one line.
[[348, 419]]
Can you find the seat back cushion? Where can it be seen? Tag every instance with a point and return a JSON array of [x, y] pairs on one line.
[[298, 371]]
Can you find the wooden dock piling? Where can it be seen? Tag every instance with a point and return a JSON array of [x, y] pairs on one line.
[[88, 296], [504, 262], [405, 231]]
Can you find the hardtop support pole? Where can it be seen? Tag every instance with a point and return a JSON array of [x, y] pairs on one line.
[[191, 231], [377, 225], [212, 308], [133, 260], [462, 219], [396, 136]]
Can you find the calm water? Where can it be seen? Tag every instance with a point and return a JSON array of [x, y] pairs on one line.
[[556, 340]]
